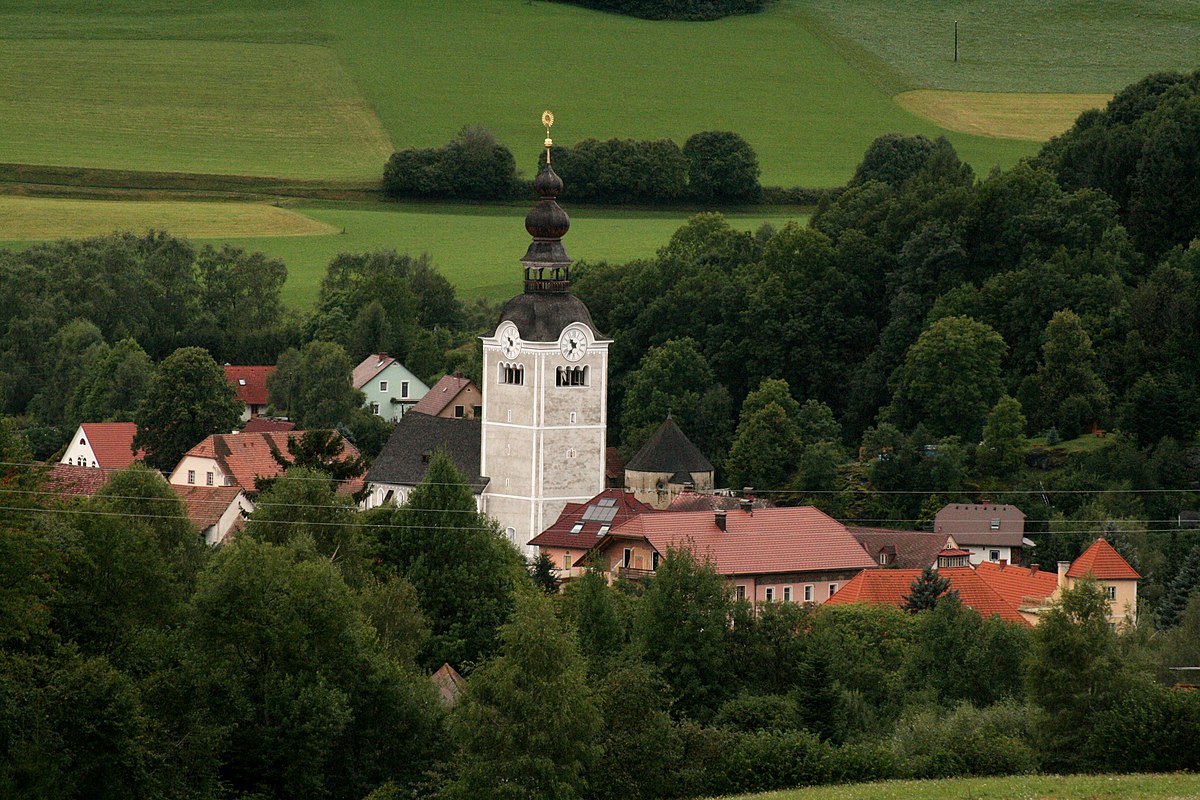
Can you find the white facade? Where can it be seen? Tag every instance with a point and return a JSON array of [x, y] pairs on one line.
[[545, 414], [381, 494], [215, 534], [995, 553], [80, 452], [199, 471]]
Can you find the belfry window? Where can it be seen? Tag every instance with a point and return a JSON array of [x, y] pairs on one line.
[[511, 373], [571, 376]]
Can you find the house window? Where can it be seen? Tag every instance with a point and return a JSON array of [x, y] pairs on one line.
[[770, 595], [209, 480], [404, 388], [511, 533], [654, 560], [1111, 591], [567, 560], [808, 593], [603, 530], [739, 592], [375, 409], [577, 527], [573, 417], [477, 410], [625, 560], [833, 587], [241, 381], [885, 559], [571, 376], [83, 441], [191, 476], [513, 374], [383, 386], [995, 523], [787, 594], [229, 480], [993, 555]]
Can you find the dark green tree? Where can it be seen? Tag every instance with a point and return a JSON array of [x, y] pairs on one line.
[[188, 400], [893, 158], [1182, 587], [597, 621], [1066, 392], [528, 726], [639, 748], [1002, 451], [680, 630], [541, 571], [114, 386], [765, 450], [925, 591], [722, 167], [314, 386]]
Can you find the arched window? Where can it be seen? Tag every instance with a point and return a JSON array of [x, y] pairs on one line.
[[513, 374], [571, 376]]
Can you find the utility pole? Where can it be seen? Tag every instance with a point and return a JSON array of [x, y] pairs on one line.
[[955, 41]]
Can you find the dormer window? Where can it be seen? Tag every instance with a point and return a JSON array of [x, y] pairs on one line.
[[603, 530], [995, 523], [241, 381], [577, 527], [885, 559]]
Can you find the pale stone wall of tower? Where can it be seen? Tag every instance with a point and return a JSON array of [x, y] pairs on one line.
[[543, 444]]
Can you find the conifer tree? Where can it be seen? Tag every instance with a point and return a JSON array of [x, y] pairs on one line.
[[924, 592], [1175, 598]]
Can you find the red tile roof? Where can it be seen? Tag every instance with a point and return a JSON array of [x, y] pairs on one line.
[[250, 383], [371, 366], [769, 540], [889, 586], [263, 424], [1103, 562], [612, 507], [1019, 586], [206, 504], [247, 456], [112, 443], [65, 479], [441, 395]]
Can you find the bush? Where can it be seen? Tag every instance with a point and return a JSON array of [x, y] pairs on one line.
[[931, 743], [763, 761], [622, 171], [1153, 730], [722, 166], [753, 713], [862, 761], [472, 167]]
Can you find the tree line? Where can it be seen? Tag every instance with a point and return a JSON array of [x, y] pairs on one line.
[[295, 661]]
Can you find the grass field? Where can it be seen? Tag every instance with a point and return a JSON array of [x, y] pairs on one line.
[[476, 247], [1076, 787], [39, 218], [1009, 115], [1014, 46], [213, 107]]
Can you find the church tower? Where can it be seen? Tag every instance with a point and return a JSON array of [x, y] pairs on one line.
[[545, 384]]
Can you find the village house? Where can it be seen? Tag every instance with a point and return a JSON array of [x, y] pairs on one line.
[[766, 555], [240, 459], [102, 445], [990, 532], [666, 465], [390, 389], [218, 512], [902, 549], [404, 460], [452, 396], [581, 525], [250, 384], [1013, 593]]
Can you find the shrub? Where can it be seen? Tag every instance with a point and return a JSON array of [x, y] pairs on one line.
[[771, 760], [859, 762], [473, 166], [752, 713], [931, 743], [622, 171]]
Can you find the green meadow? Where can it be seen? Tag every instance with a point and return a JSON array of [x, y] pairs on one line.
[[1017, 787]]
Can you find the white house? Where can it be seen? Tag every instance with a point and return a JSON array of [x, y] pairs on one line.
[[102, 445]]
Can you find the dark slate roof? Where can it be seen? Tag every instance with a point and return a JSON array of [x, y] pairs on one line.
[[404, 459], [912, 549], [542, 316], [670, 451]]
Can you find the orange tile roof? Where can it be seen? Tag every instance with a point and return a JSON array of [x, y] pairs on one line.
[[889, 586], [768, 540], [248, 456], [66, 479], [1103, 562], [250, 383], [441, 395], [112, 443], [1019, 586], [206, 504]]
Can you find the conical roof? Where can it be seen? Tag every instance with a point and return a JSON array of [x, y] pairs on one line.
[[669, 450]]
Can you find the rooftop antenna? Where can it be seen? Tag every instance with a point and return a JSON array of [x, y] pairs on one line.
[[548, 121]]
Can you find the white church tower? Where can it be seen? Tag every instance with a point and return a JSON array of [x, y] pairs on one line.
[[545, 385]]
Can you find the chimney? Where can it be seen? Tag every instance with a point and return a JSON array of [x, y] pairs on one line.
[[720, 518], [1033, 569], [746, 505], [1003, 563], [1063, 566]]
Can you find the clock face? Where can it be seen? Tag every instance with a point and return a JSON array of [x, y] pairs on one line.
[[510, 341], [573, 345]]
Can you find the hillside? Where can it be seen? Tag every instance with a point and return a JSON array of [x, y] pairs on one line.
[[1018, 787]]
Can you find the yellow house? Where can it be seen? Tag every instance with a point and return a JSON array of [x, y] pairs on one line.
[[1104, 565]]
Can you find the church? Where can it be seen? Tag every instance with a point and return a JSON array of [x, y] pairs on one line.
[[540, 440]]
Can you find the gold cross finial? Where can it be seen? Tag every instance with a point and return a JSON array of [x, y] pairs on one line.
[[548, 121]]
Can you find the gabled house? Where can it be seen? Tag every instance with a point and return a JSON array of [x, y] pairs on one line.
[[240, 459], [667, 464], [102, 445], [766, 555], [67, 480], [990, 532], [902, 549], [581, 525], [250, 384], [452, 396], [404, 460], [218, 512], [390, 389], [1013, 593]]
